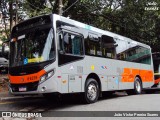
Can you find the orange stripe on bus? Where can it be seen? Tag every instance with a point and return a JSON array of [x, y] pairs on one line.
[[26, 78], [146, 75], [125, 75], [129, 75]]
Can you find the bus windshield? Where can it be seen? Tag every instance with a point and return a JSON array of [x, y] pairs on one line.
[[34, 46]]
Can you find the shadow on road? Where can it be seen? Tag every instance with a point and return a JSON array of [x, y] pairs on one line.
[[63, 102], [53, 103]]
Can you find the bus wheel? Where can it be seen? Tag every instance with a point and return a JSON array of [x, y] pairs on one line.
[[91, 91], [137, 86]]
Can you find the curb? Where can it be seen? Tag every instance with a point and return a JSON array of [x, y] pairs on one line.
[[18, 98], [10, 98]]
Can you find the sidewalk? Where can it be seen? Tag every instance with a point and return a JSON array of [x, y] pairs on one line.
[[6, 96], [3, 83], [4, 86], [4, 93]]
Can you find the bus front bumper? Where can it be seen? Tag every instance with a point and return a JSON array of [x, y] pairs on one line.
[[49, 86]]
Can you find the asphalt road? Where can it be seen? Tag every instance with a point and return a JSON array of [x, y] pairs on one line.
[[117, 102]]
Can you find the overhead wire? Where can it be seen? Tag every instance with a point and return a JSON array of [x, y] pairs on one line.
[[33, 6], [70, 6], [113, 21]]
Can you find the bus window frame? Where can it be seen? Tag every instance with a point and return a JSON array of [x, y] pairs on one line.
[[61, 50]]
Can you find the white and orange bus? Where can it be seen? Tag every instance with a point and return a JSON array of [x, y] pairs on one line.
[[54, 54]]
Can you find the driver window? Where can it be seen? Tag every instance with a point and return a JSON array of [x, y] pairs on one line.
[[71, 43]]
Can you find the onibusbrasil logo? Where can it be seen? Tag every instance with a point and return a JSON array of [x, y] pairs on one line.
[[20, 114]]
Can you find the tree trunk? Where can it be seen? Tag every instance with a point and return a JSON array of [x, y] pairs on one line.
[[60, 7], [11, 14], [16, 13]]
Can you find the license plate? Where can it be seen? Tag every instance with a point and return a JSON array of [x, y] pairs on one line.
[[22, 89]]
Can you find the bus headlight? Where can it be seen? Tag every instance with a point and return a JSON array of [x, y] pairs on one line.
[[46, 76]]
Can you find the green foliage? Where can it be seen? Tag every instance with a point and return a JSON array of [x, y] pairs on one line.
[[36, 7], [135, 19]]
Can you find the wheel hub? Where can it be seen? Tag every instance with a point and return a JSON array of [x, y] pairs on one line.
[[92, 92], [138, 87]]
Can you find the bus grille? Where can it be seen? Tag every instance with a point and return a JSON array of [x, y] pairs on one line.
[[29, 87]]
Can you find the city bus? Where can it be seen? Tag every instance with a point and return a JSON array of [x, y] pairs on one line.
[[52, 54]]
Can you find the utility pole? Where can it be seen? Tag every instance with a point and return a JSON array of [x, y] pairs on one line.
[[60, 7]]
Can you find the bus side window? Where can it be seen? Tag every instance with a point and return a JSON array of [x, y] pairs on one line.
[[71, 44], [108, 46], [92, 49], [92, 45], [121, 49], [67, 43]]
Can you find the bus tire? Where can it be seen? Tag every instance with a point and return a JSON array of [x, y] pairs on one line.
[[91, 91], [137, 87]]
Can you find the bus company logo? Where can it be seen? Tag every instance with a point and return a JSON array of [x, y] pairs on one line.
[[151, 6]]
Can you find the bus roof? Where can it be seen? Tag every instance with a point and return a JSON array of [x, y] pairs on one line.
[[85, 26], [89, 27]]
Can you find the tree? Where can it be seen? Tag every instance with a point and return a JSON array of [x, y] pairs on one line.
[[130, 18], [11, 14]]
